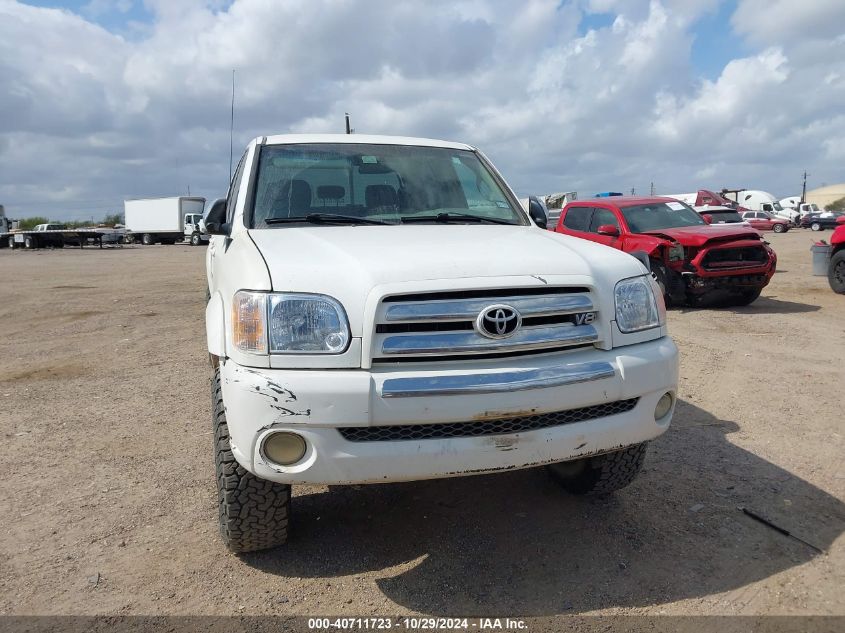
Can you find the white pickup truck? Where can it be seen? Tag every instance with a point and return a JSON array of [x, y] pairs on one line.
[[382, 309]]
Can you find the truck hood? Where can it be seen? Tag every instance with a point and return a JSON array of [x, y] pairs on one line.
[[700, 235], [348, 262]]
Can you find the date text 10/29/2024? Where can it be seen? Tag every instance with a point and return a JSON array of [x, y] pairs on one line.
[[417, 624]]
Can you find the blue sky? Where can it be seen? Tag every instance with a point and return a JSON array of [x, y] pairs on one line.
[[116, 16], [111, 99]]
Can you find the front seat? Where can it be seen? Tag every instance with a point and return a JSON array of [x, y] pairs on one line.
[[381, 198], [294, 200]]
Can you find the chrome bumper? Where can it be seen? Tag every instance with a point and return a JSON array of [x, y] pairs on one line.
[[498, 382]]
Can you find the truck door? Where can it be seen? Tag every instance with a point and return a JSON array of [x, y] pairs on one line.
[[215, 243], [604, 219]]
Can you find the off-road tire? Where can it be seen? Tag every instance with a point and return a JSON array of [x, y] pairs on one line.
[[836, 272], [816, 226], [253, 512], [661, 276], [746, 297], [195, 239], [601, 474], [779, 228], [147, 239]]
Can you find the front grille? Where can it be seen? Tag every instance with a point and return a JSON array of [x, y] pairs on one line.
[[744, 256], [442, 325], [480, 428]]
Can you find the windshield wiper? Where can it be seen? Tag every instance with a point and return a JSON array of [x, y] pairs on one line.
[[456, 218], [325, 218]]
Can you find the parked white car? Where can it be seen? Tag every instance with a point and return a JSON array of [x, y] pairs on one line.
[[720, 214], [382, 309]]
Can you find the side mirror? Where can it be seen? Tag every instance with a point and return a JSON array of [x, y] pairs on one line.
[[537, 212], [707, 218], [608, 229], [215, 221]]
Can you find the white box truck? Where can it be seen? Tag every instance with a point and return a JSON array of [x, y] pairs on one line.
[[165, 220]]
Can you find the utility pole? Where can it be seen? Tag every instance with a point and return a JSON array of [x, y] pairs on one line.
[[652, 189], [804, 188], [633, 191], [348, 129]]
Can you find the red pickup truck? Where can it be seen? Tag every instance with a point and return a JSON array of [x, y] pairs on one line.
[[690, 258], [836, 269]]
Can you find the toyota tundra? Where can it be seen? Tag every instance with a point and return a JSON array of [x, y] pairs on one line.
[[382, 309]]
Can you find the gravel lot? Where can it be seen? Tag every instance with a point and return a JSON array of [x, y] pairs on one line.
[[109, 503]]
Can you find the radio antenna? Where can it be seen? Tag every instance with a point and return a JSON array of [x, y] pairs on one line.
[[232, 127]]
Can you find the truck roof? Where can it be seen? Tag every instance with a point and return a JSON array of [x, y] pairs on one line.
[[371, 139], [625, 201], [166, 198]]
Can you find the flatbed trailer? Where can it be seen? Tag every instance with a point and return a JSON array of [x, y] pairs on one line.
[[59, 238]]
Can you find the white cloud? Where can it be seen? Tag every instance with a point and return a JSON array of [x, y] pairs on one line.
[[90, 118], [766, 22]]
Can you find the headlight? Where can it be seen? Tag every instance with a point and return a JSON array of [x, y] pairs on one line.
[[304, 323], [676, 253], [636, 308], [288, 323]]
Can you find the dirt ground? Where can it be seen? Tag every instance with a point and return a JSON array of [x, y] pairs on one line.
[[109, 505]]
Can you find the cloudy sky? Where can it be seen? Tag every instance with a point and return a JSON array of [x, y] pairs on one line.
[[102, 100]]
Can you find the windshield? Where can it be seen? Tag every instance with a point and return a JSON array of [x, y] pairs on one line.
[[660, 215], [325, 183], [724, 217], [777, 206]]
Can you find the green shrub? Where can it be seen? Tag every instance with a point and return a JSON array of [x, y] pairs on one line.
[[836, 205], [27, 224]]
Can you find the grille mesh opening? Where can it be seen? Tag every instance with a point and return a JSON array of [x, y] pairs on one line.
[[478, 428], [745, 255]]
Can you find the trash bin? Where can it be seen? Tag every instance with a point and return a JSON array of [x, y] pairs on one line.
[[821, 257]]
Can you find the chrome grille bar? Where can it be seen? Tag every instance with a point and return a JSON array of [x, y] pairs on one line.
[[495, 382], [438, 343], [468, 309]]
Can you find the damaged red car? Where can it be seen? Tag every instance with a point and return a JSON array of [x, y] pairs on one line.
[[690, 259]]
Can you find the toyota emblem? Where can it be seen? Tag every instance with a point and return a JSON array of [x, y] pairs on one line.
[[498, 321]]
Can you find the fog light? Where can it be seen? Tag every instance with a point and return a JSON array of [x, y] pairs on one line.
[[663, 406], [284, 448]]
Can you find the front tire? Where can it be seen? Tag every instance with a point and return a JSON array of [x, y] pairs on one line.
[[195, 239], [658, 272], [816, 226], [253, 512], [836, 272], [747, 297], [779, 228], [601, 474]]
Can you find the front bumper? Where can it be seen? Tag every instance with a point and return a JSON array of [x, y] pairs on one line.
[[315, 404], [699, 278]]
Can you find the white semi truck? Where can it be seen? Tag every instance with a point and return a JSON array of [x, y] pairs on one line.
[[756, 200], [165, 220]]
